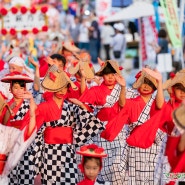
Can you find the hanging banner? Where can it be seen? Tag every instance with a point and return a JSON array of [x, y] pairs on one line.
[[172, 23], [24, 20], [103, 9], [148, 35]]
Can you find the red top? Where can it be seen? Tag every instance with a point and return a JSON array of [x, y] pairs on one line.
[[97, 96], [19, 124], [47, 111], [129, 114], [86, 182]]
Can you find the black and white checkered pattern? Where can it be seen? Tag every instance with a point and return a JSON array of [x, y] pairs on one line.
[[113, 170], [23, 173], [57, 162], [22, 111], [143, 166]]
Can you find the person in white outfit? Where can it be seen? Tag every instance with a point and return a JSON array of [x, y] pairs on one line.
[[119, 43], [107, 33]]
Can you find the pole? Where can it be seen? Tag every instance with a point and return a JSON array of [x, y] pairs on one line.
[[181, 21], [140, 44]]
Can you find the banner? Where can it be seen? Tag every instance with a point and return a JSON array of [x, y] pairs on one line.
[[24, 20], [103, 9], [148, 35], [170, 12]]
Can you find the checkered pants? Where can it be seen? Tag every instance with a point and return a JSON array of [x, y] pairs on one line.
[[57, 162], [112, 170], [23, 173], [59, 165], [145, 166]]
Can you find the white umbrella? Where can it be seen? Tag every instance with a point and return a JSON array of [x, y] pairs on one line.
[[134, 11]]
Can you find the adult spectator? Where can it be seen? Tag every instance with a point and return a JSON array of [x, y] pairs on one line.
[[74, 30], [94, 38], [83, 39], [119, 43], [107, 32]]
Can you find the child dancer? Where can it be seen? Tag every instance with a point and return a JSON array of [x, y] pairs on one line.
[[91, 164]]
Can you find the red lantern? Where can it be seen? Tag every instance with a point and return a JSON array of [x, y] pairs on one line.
[[23, 9], [33, 10], [12, 31], [44, 9], [3, 31], [35, 30], [4, 11], [24, 32], [44, 28], [14, 10]]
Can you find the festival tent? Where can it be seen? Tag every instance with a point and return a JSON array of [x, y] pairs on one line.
[[136, 10]]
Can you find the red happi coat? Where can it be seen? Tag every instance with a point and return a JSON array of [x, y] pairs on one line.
[[97, 96], [129, 114], [19, 124]]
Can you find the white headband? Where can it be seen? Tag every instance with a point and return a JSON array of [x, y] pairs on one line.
[[17, 61]]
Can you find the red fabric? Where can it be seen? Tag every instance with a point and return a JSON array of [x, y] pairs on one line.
[[2, 63], [43, 66], [47, 95], [19, 124], [58, 135], [180, 164], [127, 115], [147, 131], [86, 182], [171, 150], [26, 135], [47, 111], [97, 96], [143, 136], [74, 93]]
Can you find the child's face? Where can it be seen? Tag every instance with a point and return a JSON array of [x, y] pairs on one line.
[[59, 64], [109, 79], [91, 169], [145, 89], [17, 90], [179, 93]]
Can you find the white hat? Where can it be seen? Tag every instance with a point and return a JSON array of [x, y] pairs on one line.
[[119, 26], [17, 61]]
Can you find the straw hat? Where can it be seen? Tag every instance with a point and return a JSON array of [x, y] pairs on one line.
[[87, 67], [92, 150], [85, 57], [167, 83], [56, 79], [179, 117], [68, 45], [179, 78], [16, 76], [140, 79], [113, 64]]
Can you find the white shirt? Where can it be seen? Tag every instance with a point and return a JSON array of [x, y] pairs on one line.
[[107, 33]]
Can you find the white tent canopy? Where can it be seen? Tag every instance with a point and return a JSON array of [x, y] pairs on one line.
[[134, 11]]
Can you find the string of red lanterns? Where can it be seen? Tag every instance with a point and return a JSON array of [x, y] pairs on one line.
[[23, 10]]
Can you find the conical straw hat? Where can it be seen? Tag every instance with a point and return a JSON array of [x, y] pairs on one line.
[[56, 79]]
